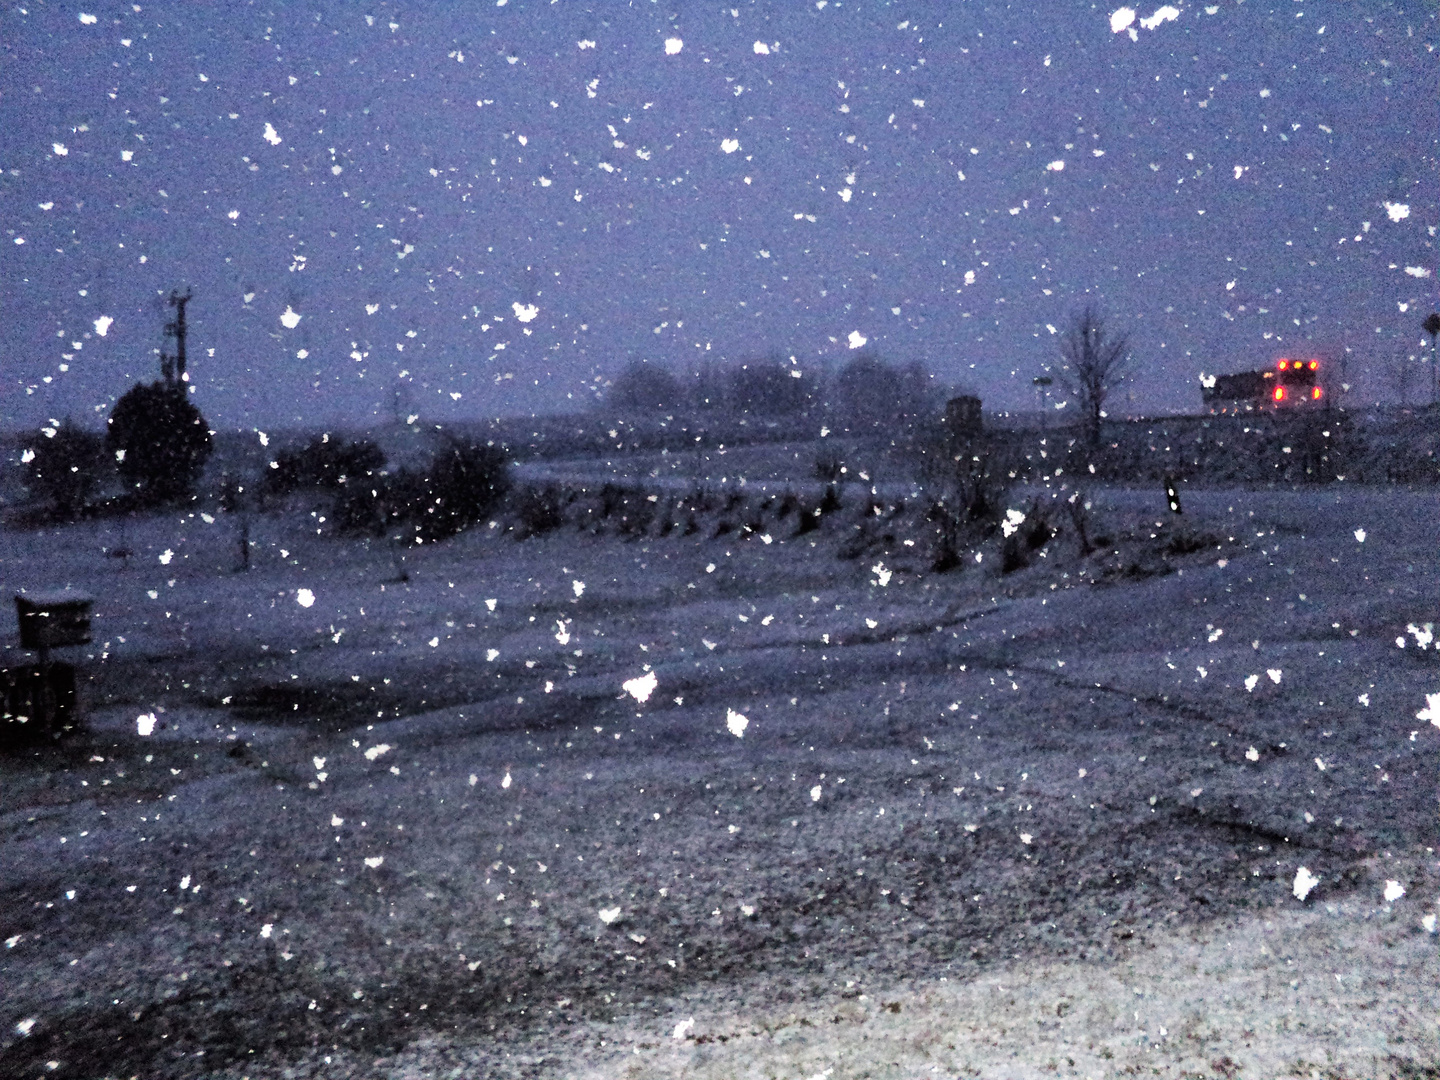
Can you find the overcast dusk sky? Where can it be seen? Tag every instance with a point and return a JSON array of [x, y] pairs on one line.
[[509, 201]]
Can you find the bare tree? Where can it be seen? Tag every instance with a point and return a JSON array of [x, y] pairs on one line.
[[1093, 364]]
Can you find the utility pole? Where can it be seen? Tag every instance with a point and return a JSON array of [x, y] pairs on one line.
[[172, 365], [1431, 326], [1042, 384]]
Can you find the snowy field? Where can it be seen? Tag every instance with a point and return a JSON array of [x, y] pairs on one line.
[[736, 806]]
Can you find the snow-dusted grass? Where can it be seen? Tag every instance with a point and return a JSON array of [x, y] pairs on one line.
[[1022, 780], [1349, 990]]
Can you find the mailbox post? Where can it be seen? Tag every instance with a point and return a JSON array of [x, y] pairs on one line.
[[48, 621]]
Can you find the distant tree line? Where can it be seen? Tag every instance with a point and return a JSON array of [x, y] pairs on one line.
[[868, 395]]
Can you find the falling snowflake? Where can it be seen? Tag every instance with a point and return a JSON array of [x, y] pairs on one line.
[[736, 722], [641, 687], [1304, 882], [1431, 711]]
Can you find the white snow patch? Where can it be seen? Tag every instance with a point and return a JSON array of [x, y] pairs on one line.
[[525, 312], [304, 597], [577, 585], [1167, 13], [1304, 882], [1360, 536], [271, 135], [1398, 211], [641, 687], [1058, 165], [608, 914], [375, 751], [103, 324], [761, 49], [729, 145], [1274, 674], [673, 45], [87, 19], [815, 793], [882, 575], [166, 556], [683, 1028], [736, 722], [289, 318], [857, 339], [1250, 681], [1120, 19], [1393, 891], [1431, 711], [145, 722], [506, 782], [24, 1026], [1252, 754], [374, 861], [1417, 271]]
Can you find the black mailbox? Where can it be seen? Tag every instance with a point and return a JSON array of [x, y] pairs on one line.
[[53, 620]]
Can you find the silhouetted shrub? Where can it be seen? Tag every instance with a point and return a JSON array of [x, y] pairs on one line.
[[324, 463], [1026, 537], [829, 466], [466, 480], [67, 463], [160, 441], [462, 483], [540, 508]]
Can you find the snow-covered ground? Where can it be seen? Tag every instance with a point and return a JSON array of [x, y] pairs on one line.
[[536, 808]]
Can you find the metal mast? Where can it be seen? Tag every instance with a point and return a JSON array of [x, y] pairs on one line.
[[172, 365]]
